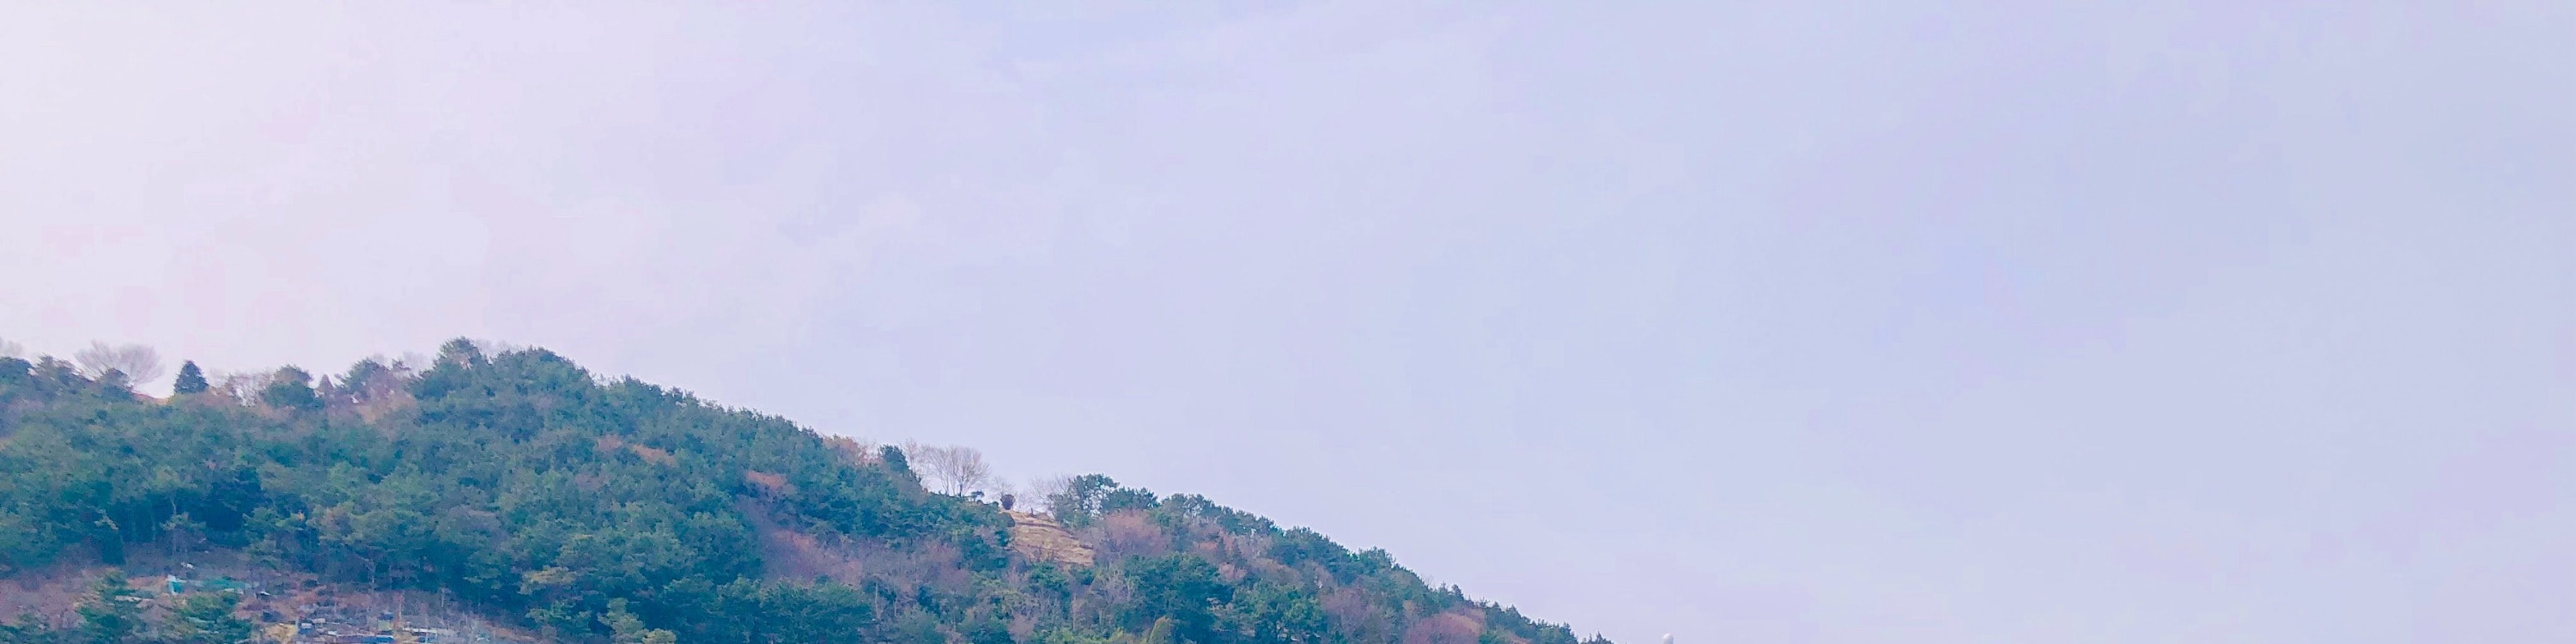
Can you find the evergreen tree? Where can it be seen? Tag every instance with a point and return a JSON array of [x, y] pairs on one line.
[[113, 614], [207, 618], [894, 459], [190, 380], [460, 352], [1182, 588], [625, 628], [290, 388]]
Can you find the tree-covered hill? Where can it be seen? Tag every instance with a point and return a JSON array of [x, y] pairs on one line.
[[592, 509]]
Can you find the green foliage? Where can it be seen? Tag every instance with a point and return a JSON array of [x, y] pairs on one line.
[[625, 628], [30, 629], [113, 612], [1182, 588], [1164, 631], [290, 388], [989, 630], [1276, 612], [190, 380], [207, 618], [1087, 497], [1233, 521], [618, 511], [894, 459], [1080, 499]]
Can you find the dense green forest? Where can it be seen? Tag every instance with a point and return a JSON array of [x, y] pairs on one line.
[[592, 509]]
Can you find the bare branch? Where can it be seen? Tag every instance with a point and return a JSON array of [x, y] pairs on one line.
[[139, 363], [956, 470], [244, 388], [1043, 490]]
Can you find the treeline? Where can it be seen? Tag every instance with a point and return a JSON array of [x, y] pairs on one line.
[[602, 510]]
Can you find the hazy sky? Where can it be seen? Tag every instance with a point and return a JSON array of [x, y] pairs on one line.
[[1809, 322]]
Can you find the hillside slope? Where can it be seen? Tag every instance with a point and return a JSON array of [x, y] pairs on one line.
[[522, 487]]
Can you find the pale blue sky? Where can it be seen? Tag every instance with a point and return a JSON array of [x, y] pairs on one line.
[[1831, 322]]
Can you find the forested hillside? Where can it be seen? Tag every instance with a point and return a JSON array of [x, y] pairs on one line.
[[589, 509]]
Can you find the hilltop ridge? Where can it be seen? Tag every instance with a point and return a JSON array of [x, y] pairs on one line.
[[548, 499]]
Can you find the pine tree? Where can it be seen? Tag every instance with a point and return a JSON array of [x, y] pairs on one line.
[[625, 628], [207, 618], [113, 614], [291, 388], [191, 380]]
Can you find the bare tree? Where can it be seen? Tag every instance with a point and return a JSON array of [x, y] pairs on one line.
[[957, 470], [931, 462], [139, 363], [855, 450], [244, 388], [970, 473], [12, 349], [1043, 490]]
